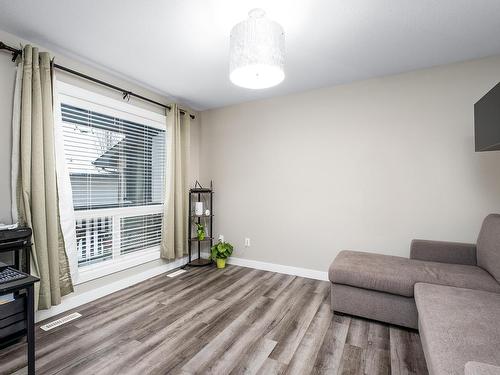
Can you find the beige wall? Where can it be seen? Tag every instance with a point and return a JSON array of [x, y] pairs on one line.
[[367, 166], [7, 74]]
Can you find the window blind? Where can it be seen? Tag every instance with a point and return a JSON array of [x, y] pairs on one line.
[[112, 162], [140, 232], [117, 166]]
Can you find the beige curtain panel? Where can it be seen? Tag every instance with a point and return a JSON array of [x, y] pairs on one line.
[[37, 199], [175, 230]]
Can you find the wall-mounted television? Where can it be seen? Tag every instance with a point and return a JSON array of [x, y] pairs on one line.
[[487, 121]]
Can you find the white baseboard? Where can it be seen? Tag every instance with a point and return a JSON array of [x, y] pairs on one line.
[[74, 300], [288, 270]]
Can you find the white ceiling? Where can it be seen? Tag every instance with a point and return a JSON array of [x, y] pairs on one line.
[[180, 47]]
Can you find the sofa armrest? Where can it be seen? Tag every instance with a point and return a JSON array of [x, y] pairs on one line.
[[479, 368], [443, 252]]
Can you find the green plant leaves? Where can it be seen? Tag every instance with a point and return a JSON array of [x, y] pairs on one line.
[[221, 250], [200, 231]]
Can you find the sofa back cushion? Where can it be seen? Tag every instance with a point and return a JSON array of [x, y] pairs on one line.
[[488, 246]]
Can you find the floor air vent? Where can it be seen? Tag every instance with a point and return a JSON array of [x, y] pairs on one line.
[[60, 321], [176, 273]]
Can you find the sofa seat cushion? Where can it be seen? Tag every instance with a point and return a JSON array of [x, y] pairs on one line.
[[457, 326], [398, 275]]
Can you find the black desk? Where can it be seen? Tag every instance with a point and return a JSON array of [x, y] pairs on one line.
[[18, 242], [17, 318]]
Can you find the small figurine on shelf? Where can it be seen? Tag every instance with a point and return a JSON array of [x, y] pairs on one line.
[[200, 231]]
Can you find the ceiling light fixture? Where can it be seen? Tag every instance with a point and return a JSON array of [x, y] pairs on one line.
[[257, 48]]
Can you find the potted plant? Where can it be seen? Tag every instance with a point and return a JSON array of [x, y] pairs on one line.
[[220, 252], [200, 231]]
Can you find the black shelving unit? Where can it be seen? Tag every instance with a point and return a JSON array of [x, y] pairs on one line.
[[205, 195]]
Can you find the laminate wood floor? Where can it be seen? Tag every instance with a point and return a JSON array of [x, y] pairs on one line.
[[208, 321]]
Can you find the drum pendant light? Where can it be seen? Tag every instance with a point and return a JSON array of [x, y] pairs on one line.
[[257, 47]]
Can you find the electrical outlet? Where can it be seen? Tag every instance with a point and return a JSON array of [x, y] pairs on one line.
[[247, 242], [221, 237]]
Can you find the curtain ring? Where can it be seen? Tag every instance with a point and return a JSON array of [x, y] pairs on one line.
[[126, 95]]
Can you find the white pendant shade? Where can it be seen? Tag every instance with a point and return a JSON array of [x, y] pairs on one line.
[[257, 49]]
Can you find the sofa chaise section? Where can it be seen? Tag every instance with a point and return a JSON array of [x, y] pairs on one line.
[[381, 287], [457, 326], [372, 304], [398, 275]]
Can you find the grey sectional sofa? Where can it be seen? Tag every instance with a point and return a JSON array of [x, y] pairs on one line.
[[449, 291]]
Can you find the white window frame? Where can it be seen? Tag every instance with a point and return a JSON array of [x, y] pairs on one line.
[[78, 97]]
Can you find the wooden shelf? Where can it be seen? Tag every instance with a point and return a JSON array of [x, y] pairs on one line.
[[201, 191], [200, 262], [195, 239]]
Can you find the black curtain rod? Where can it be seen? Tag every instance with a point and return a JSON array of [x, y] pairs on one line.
[[126, 94]]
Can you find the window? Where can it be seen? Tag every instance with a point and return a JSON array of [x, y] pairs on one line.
[[115, 155]]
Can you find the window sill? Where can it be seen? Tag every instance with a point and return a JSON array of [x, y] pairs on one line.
[[95, 271]]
